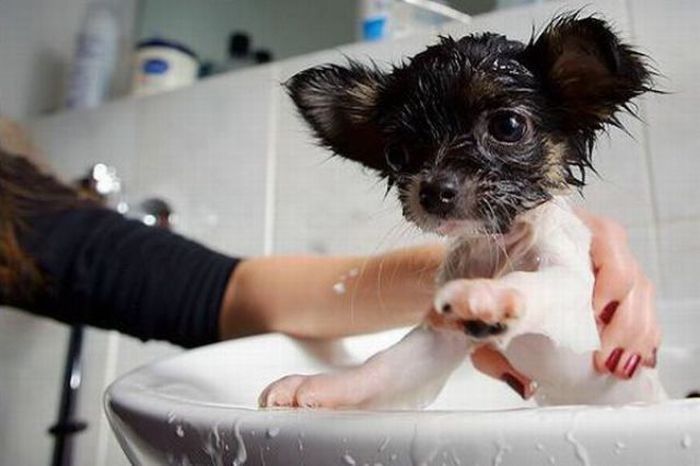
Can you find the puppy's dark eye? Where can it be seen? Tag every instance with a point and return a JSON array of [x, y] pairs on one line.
[[506, 126], [396, 158]]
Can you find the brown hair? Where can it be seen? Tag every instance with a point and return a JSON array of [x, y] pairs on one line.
[[24, 190]]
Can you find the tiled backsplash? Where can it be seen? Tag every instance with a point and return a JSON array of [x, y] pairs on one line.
[[245, 177]]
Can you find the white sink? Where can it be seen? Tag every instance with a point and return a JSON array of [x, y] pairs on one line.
[[200, 408]]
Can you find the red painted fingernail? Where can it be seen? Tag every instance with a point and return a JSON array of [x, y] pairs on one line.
[[514, 383], [608, 312], [631, 366], [613, 359]]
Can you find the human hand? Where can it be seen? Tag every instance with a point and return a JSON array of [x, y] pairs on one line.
[[623, 302], [623, 305]]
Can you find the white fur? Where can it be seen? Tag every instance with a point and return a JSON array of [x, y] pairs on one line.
[[545, 262]]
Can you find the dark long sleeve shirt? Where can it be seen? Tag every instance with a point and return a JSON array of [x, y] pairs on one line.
[[103, 270]]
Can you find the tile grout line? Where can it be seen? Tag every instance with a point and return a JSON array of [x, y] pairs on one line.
[[271, 163]]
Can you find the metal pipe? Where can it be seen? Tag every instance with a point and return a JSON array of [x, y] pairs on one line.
[[66, 426]]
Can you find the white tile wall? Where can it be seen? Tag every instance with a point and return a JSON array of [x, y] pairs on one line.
[[203, 149], [668, 32], [328, 205], [679, 250], [245, 177], [30, 372]]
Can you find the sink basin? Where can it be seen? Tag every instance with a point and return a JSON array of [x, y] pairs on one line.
[[200, 408]]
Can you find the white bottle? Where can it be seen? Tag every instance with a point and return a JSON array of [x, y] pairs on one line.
[[95, 57]]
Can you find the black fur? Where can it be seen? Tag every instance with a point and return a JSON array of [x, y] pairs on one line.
[[434, 116]]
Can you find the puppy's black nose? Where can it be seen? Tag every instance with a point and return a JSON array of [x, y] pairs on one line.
[[438, 196], [480, 329]]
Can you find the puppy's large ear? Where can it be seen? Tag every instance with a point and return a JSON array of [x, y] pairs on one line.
[[588, 70], [339, 102]]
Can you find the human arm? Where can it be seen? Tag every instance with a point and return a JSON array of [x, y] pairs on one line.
[[330, 296]]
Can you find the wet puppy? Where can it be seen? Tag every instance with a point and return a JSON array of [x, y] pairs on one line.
[[481, 137]]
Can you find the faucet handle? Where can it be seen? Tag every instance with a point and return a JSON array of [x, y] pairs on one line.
[[156, 212], [102, 183]]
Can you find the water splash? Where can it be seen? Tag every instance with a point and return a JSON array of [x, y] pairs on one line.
[[579, 449], [503, 448], [384, 444], [241, 453]]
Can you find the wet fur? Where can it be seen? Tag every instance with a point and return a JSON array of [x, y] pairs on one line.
[[527, 288], [570, 81]]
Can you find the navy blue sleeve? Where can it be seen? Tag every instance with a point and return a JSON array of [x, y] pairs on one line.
[[106, 271]]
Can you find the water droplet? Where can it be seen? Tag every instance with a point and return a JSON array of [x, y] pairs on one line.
[[353, 272], [393, 456], [579, 449], [383, 445], [539, 447], [273, 432], [241, 453], [349, 460], [619, 447], [687, 442], [339, 288], [502, 450], [180, 431]]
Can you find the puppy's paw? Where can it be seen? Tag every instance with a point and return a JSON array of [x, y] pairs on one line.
[[312, 391], [484, 308]]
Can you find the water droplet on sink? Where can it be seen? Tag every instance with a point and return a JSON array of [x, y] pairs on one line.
[[383, 445], [273, 432], [579, 449], [619, 447], [241, 453], [503, 448], [180, 431], [349, 460], [687, 442]]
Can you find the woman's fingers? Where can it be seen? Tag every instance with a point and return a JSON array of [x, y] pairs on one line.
[[630, 338], [614, 265], [491, 362]]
